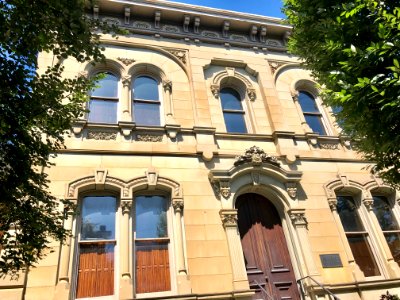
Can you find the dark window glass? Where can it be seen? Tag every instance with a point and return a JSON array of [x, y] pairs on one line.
[[384, 214], [104, 100], [145, 88], [233, 111], [151, 217], [348, 214], [356, 236], [389, 225], [146, 103], [98, 218], [102, 111], [147, 113], [106, 87], [311, 113], [363, 255]]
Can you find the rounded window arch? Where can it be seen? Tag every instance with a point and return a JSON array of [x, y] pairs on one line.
[[232, 109], [146, 102], [103, 104]]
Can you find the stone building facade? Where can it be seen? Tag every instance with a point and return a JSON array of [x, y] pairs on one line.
[[208, 168]]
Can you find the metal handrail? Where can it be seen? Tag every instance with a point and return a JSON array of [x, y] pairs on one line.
[[320, 285], [264, 290]]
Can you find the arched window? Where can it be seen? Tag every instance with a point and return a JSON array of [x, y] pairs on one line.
[[152, 243], [389, 225], [96, 242], [357, 236], [311, 112], [104, 100], [233, 111], [146, 101]]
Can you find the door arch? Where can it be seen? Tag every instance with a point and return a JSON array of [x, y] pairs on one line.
[[265, 249]]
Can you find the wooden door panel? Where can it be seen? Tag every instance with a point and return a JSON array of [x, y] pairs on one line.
[[265, 249]]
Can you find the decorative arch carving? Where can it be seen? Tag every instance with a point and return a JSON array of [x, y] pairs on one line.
[[100, 180], [255, 168], [230, 76]]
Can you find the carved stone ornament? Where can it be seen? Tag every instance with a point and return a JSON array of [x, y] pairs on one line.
[[298, 218], [70, 208], [252, 94], [177, 205], [179, 54], [149, 138], [84, 74], [215, 90], [368, 203], [167, 85], [329, 146], [274, 65], [225, 189], [229, 218], [126, 80], [332, 202], [101, 135], [126, 61], [291, 188], [256, 156], [126, 206]]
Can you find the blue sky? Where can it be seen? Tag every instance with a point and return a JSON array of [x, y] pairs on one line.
[[271, 8]]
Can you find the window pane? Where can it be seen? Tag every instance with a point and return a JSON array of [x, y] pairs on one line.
[[315, 123], [307, 102], [348, 214], [384, 214], [230, 99], [393, 240], [102, 111], [147, 113], [151, 217], [145, 88], [363, 255], [234, 122], [98, 218], [107, 87]]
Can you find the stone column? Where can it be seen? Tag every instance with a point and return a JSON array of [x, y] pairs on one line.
[[167, 85], [229, 221], [63, 285], [180, 259], [392, 265], [126, 288], [125, 99]]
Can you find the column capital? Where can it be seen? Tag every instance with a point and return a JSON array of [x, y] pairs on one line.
[[332, 202], [126, 80], [167, 85], [368, 203], [177, 205], [228, 217], [298, 217], [126, 207]]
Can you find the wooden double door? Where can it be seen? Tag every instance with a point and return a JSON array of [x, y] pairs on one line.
[[268, 263]]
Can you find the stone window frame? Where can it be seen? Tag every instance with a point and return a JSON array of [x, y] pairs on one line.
[[362, 196], [231, 78], [310, 87], [101, 182]]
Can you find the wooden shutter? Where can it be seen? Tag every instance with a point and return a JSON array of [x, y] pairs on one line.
[[152, 267], [96, 270]]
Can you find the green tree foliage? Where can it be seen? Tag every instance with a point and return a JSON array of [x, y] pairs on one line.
[[353, 50], [36, 111]]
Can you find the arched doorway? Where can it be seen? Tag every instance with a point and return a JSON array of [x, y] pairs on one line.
[[265, 250]]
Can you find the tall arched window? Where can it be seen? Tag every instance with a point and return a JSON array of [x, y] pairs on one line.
[[146, 101], [389, 225], [233, 111], [104, 100], [311, 112], [152, 242], [357, 236], [96, 242]]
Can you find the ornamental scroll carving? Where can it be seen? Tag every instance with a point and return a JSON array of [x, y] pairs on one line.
[[101, 135], [229, 218], [149, 138], [256, 156]]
